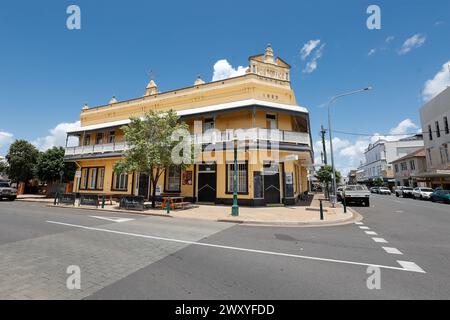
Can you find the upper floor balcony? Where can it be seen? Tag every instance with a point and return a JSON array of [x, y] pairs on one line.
[[208, 137]]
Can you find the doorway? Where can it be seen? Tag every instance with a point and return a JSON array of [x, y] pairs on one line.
[[144, 183], [206, 183], [271, 183]]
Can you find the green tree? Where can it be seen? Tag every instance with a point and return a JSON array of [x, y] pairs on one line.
[[51, 162], [3, 167], [378, 182], [150, 145], [325, 174], [22, 157]]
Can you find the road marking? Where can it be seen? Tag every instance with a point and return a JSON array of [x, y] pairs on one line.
[[392, 250], [411, 266], [372, 233], [359, 223], [113, 219], [204, 244], [381, 240], [398, 201], [364, 227], [399, 211]]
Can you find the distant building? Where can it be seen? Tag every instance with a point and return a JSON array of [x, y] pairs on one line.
[[435, 117], [407, 169], [380, 155], [352, 177]]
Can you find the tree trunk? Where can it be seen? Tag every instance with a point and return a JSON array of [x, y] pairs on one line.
[[154, 184]]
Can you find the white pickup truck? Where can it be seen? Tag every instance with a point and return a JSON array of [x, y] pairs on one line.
[[7, 192], [356, 194]]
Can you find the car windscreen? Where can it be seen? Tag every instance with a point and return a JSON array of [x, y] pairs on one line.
[[4, 185], [409, 189], [426, 189]]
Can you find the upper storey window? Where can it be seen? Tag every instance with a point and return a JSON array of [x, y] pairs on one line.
[[271, 121]]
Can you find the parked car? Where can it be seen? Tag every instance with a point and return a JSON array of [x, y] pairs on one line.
[[384, 190], [356, 194], [405, 192], [441, 196], [374, 190], [7, 192], [422, 193]]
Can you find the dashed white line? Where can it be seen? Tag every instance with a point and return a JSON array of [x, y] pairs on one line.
[[371, 233], [359, 223], [380, 240], [364, 228], [392, 250], [409, 267]]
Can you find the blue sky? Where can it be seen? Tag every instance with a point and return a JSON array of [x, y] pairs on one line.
[[48, 72]]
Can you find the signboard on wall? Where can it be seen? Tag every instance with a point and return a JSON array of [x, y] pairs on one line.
[[158, 190], [187, 178]]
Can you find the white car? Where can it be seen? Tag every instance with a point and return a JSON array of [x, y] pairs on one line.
[[384, 190], [422, 193]]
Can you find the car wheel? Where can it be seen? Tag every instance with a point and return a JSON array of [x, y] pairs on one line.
[[12, 198]]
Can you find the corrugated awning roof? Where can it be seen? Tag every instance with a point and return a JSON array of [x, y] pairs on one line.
[[200, 110]]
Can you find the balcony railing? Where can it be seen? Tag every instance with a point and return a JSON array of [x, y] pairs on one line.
[[253, 134], [96, 148]]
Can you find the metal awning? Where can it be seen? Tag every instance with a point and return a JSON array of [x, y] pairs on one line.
[[201, 110]]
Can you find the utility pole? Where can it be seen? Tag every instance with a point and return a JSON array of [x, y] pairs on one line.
[[323, 132]]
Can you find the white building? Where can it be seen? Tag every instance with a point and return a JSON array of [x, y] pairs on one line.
[[379, 155], [435, 117]]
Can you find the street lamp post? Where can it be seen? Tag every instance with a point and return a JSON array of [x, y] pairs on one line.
[[333, 198], [235, 207]]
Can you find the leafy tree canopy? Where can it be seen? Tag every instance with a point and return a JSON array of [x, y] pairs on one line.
[[22, 157], [150, 145], [51, 162], [325, 174]]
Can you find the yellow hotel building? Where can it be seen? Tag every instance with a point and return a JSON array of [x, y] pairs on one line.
[[261, 101]]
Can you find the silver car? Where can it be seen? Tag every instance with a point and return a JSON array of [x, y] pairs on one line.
[[6, 192], [422, 193]]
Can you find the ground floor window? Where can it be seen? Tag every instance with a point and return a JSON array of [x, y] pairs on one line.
[[92, 178], [242, 177], [173, 179], [120, 181]]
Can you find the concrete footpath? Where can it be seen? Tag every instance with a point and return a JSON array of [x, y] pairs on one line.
[[262, 216]]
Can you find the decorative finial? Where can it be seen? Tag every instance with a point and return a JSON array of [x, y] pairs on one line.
[[113, 100], [199, 80], [85, 107]]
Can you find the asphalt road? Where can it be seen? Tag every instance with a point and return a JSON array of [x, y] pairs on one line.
[[139, 257]]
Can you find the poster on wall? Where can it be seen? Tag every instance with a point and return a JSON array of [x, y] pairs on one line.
[[187, 178]]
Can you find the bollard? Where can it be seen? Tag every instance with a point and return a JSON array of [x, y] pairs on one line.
[[168, 205], [345, 204], [321, 210], [56, 197], [103, 201]]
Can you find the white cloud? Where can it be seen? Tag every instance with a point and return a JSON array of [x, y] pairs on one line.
[[372, 52], [389, 39], [308, 48], [349, 154], [413, 42], [224, 70], [57, 136], [439, 83], [6, 139], [311, 66]]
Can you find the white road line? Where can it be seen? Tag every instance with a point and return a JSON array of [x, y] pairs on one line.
[[232, 248], [381, 240], [410, 266], [392, 250], [364, 228], [359, 223], [113, 219], [372, 233]]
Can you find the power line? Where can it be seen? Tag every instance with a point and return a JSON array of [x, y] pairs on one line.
[[445, 131]]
